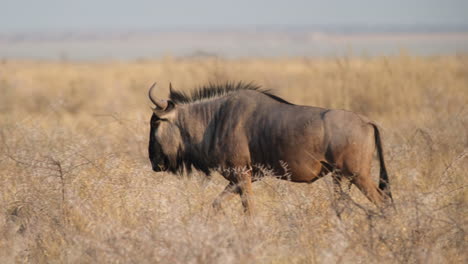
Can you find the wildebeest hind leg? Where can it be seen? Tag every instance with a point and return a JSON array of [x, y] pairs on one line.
[[360, 176], [336, 175], [357, 163], [368, 188]]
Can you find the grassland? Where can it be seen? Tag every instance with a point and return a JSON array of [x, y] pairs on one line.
[[76, 185]]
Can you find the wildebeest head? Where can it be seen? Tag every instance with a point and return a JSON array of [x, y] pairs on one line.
[[164, 140]]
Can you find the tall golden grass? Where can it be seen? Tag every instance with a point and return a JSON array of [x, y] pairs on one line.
[[77, 186]]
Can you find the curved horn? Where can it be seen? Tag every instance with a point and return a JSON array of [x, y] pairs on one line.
[[170, 88], [149, 93], [161, 104]]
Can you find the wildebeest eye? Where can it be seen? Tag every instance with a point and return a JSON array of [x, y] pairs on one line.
[[155, 120]]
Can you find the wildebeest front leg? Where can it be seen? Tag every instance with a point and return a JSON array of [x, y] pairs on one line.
[[240, 182], [228, 192], [245, 188]]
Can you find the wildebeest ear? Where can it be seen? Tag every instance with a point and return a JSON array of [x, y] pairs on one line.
[[161, 112], [162, 106], [169, 106]]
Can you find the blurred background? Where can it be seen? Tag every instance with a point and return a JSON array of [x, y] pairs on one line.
[[92, 30]]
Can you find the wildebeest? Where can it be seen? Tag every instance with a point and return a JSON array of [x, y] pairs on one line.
[[235, 128]]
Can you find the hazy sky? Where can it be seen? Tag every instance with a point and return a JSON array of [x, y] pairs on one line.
[[67, 15]]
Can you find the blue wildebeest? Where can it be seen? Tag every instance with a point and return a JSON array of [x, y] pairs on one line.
[[237, 128]]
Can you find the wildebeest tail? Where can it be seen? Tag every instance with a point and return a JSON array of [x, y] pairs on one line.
[[384, 183]]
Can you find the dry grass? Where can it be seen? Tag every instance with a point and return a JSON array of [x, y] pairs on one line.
[[77, 187]]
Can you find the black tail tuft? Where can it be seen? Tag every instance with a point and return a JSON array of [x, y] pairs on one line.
[[384, 183]]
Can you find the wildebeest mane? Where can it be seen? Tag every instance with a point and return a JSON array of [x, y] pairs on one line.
[[213, 90]]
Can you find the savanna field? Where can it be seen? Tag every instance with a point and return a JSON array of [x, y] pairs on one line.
[[76, 185]]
